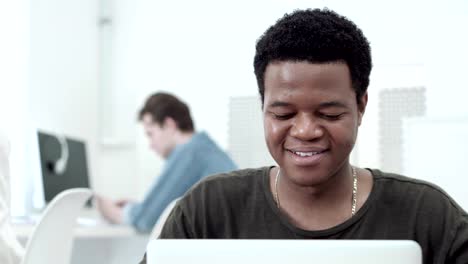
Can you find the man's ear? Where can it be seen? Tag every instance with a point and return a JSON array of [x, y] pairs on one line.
[[362, 107], [169, 122]]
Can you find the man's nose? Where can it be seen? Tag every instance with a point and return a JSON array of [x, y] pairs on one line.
[[306, 127]]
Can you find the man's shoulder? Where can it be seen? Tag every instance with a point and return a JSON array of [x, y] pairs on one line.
[[200, 139], [229, 187], [402, 181], [236, 180], [414, 189], [200, 147]]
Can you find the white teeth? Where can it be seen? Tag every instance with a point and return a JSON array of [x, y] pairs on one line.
[[305, 154]]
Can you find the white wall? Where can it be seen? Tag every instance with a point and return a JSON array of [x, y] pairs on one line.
[[203, 51], [63, 71], [14, 39]]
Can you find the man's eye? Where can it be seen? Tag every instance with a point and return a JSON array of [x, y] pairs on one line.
[[332, 117], [283, 116]]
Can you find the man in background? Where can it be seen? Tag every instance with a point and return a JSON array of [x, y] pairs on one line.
[[189, 157]]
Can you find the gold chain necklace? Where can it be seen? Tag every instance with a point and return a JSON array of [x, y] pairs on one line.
[[354, 197]]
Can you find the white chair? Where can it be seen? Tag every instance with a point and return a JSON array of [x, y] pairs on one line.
[[52, 239]]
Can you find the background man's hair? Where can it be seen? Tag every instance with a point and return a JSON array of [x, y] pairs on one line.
[[161, 105], [316, 36]]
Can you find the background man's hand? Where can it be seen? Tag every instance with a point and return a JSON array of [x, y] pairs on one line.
[[110, 209], [123, 202]]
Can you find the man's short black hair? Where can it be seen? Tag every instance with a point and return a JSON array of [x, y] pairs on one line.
[[161, 105], [316, 36]]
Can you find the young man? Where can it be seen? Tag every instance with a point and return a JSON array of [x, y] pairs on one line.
[[313, 69], [189, 157]]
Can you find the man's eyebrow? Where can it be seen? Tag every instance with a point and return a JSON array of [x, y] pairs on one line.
[[333, 104], [322, 105], [279, 104]]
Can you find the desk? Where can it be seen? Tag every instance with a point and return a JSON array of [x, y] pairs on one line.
[[101, 243]]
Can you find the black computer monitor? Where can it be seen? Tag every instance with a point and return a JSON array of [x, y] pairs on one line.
[[63, 164]]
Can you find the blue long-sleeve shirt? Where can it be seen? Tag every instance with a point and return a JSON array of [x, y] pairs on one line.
[[185, 165]]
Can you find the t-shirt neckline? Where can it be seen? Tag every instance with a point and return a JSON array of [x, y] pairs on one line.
[[317, 233]]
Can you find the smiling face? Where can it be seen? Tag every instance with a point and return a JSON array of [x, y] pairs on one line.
[[311, 119]]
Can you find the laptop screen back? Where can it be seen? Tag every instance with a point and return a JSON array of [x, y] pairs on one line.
[[75, 170], [193, 251]]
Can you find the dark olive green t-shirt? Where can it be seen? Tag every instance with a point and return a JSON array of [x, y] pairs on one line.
[[240, 205]]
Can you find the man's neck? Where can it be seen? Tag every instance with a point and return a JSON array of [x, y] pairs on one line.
[[319, 207], [183, 137]]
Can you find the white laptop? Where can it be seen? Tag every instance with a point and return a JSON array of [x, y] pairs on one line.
[[239, 251]]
